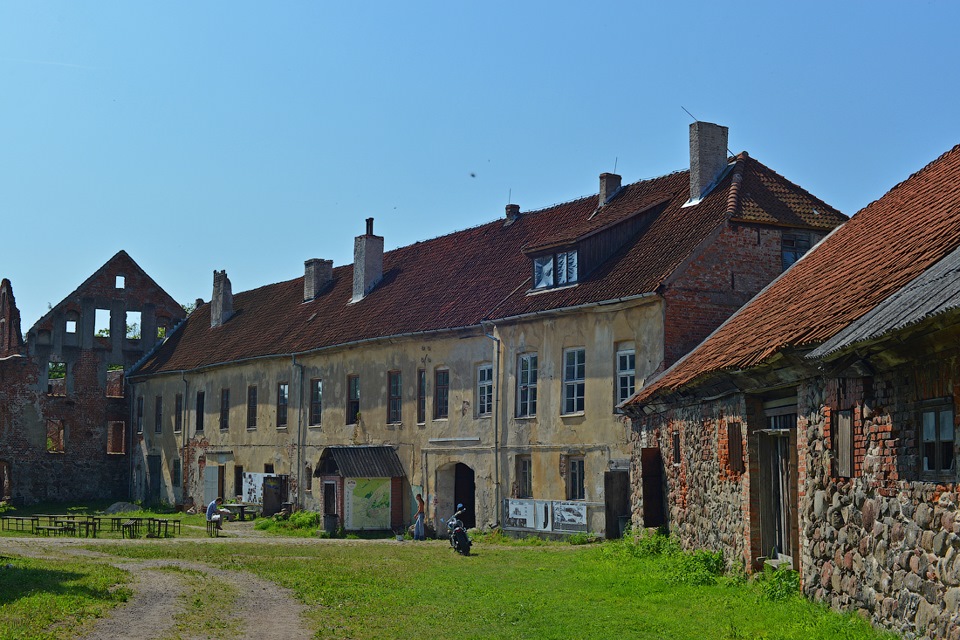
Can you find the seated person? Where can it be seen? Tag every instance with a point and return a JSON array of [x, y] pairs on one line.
[[215, 514]]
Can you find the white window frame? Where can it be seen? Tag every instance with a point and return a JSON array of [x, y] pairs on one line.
[[574, 380], [485, 390], [527, 385], [626, 374]]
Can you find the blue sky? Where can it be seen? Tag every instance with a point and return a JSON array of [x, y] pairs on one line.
[[251, 136]]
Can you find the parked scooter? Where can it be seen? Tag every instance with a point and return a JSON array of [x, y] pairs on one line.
[[458, 534]]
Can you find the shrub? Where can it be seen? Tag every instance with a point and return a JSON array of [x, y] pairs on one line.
[[305, 520], [778, 584], [697, 568]]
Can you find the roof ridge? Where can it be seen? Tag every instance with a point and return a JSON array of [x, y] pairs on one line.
[[733, 194]]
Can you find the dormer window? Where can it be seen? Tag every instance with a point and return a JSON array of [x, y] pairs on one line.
[[555, 270]]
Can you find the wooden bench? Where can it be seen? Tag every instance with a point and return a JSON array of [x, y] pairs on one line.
[[47, 530], [131, 528]]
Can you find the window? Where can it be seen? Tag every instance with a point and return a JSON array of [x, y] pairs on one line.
[[120, 282], [132, 319], [792, 247], [393, 400], [735, 447], [238, 479], [200, 397], [353, 399], [485, 390], [524, 477], [252, 406], [57, 378], [101, 323], [441, 394], [116, 437], [936, 424], [158, 415], [555, 270], [575, 478], [177, 473], [316, 401], [527, 385], [224, 409], [268, 468], [178, 413], [574, 374], [71, 326], [283, 399], [421, 396], [626, 374], [843, 442], [55, 436], [140, 414], [676, 447]]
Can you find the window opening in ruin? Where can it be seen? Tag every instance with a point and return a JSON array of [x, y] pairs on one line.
[[937, 439], [57, 378], [485, 390], [116, 437], [158, 415], [527, 385], [394, 400], [283, 399], [178, 413], [199, 411], [120, 282], [140, 414], [71, 326], [735, 447], [421, 396], [524, 477], [626, 375], [268, 468], [353, 399], [252, 406], [133, 325], [224, 409], [441, 394], [161, 332], [574, 380], [114, 387], [55, 436], [101, 323], [576, 472], [316, 401]]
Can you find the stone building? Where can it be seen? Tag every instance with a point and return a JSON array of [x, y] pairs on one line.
[[817, 426], [491, 360], [64, 415]]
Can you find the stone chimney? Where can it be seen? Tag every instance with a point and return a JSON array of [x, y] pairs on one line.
[[708, 156], [317, 274], [609, 185], [367, 262], [513, 211], [221, 304]]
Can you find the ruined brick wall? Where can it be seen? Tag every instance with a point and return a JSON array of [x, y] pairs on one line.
[[721, 279]]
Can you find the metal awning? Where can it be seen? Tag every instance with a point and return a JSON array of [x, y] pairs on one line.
[[359, 462]]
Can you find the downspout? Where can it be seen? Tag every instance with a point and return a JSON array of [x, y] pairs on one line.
[[496, 427], [299, 367], [183, 441], [132, 430]]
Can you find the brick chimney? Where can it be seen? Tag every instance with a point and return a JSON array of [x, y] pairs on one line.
[[367, 262], [708, 156], [317, 274], [609, 185], [513, 211], [221, 304]]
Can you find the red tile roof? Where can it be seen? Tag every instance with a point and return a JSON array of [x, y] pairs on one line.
[[462, 278], [882, 248]]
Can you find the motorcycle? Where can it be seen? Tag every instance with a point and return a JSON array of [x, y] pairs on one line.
[[458, 534]]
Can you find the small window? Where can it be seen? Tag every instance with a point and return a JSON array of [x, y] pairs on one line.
[[161, 332], [735, 447], [676, 447], [268, 468], [626, 374], [316, 401], [441, 394], [177, 473], [576, 472], [252, 407], [792, 247], [133, 325], [937, 439], [394, 398], [116, 438], [224, 409], [524, 477], [574, 380], [101, 323], [55, 436], [57, 379], [843, 442], [178, 413], [71, 326], [283, 400], [555, 270], [199, 411], [485, 390], [527, 385], [140, 414], [120, 282], [158, 415], [353, 399], [421, 396]]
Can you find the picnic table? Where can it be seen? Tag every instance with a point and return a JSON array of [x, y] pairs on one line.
[[19, 523], [243, 508]]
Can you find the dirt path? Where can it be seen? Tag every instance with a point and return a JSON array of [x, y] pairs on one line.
[[164, 590]]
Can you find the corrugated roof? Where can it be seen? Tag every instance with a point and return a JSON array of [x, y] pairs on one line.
[[363, 461], [935, 291], [460, 279], [882, 248]]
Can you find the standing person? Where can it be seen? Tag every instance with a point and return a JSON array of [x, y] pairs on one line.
[[214, 514], [418, 533]]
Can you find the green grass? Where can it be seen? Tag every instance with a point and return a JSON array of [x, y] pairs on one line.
[[42, 599]]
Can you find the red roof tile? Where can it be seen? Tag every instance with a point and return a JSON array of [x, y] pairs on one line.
[[462, 278], [883, 247]]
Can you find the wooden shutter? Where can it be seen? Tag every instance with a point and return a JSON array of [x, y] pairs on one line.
[[843, 442]]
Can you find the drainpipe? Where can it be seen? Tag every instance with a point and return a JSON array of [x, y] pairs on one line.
[[183, 440], [132, 430], [299, 367], [496, 426]]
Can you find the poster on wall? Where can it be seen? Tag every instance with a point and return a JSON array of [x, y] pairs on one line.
[[253, 487], [520, 512], [569, 514], [367, 503]]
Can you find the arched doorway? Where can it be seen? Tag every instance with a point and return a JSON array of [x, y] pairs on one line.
[[455, 485]]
